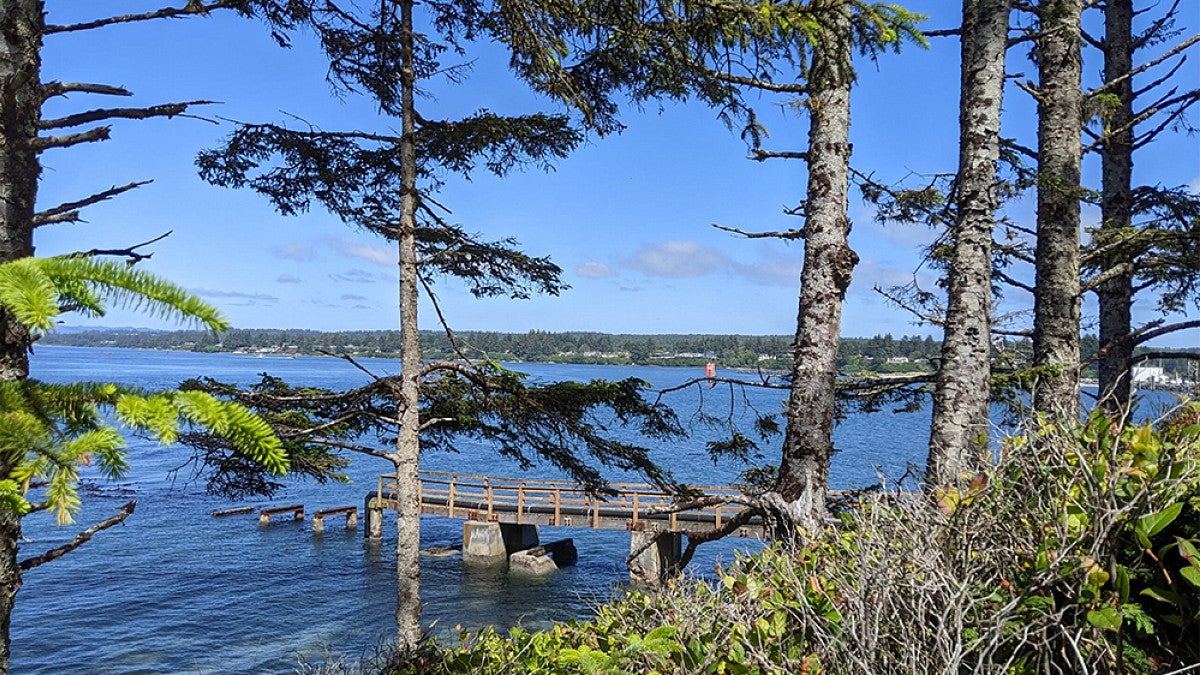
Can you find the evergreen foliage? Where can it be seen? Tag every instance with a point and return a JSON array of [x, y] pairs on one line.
[[49, 431]]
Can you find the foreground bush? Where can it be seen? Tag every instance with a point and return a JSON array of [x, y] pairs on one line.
[[1075, 553]]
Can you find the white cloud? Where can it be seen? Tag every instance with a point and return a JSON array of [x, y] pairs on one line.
[[677, 259], [350, 296], [594, 270], [361, 276], [384, 256], [869, 273], [236, 295], [295, 251], [772, 269], [288, 279]]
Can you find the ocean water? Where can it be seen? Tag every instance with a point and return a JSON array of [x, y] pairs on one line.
[[174, 590]]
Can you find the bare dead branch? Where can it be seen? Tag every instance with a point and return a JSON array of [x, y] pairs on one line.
[[1115, 82], [437, 308], [1165, 354], [80, 539], [353, 447], [758, 83], [1162, 330], [760, 155], [1029, 88], [54, 214], [131, 252], [52, 89], [1184, 101], [90, 136], [87, 117], [191, 8], [788, 234], [1011, 281]]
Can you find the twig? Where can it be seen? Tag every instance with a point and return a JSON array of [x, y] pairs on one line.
[[70, 210], [80, 539]]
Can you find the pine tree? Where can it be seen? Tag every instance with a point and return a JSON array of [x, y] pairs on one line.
[[960, 423], [385, 183]]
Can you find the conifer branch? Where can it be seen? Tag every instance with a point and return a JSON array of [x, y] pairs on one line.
[[80, 539], [69, 211]]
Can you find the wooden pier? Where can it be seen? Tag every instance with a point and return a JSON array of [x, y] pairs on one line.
[[634, 506]]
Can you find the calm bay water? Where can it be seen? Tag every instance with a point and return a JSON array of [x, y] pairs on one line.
[[174, 590]]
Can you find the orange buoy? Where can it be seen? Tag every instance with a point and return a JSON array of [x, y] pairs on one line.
[[710, 369]]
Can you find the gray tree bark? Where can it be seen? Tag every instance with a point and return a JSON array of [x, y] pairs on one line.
[[1060, 123], [1116, 209], [21, 28], [959, 430], [828, 265], [408, 438]]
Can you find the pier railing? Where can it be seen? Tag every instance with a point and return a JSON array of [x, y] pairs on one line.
[[632, 506]]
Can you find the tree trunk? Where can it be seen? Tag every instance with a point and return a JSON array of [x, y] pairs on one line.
[[1056, 300], [20, 111], [959, 430], [1116, 210], [828, 264], [408, 439]]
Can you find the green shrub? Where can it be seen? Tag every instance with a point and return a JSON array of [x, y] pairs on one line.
[[1075, 553]]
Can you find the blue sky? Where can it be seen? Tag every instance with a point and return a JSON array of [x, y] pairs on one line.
[[628, 217]]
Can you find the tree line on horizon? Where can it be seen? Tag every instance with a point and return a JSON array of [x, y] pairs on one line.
[[769, 352]]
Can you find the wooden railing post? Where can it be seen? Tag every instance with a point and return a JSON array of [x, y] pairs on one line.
[[520, 501], [635, 510], [557, 506], [487, 489], [453, 492]]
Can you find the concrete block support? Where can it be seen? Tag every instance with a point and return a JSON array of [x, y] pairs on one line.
[[652, 565], [374, 518], [541, 560], [492, 543]]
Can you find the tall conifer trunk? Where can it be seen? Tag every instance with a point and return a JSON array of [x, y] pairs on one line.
[[828, 265], [1060, 123], [959, 429], [408, 438], [1116, 209], [20, 110]]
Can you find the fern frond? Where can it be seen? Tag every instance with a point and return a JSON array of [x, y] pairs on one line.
[[11, 497], [27, 292], [104, 444], [130, 288], [247, 432], [155, 414], [22, 434], [61, 494]]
